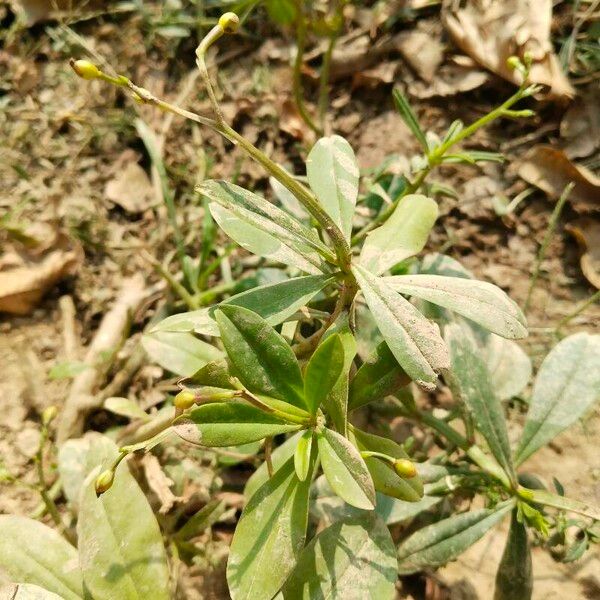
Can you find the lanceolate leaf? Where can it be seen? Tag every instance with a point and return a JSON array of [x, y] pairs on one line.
[[31, 552], [27, 591], [224, 424], [378, 377], [269, 536], [479, 301], [471, 380], [263, 360], [263, 228], [509, 366], [180, 353], [322, 372], [413, 340], [121, 550], [354, 558], [302, 454], [514, 578], [333, 176], [566, 386], [437, 544], [274, 302], [346, 470], [403, 235], [409, 117]]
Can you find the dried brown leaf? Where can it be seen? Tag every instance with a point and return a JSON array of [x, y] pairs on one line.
[[580, 126], [423, 52], [450, 79], [549, 169], [131, 189], [587, 233], [159, 483], [490, 32]]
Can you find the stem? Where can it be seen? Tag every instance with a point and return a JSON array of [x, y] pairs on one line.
[[325, 74], [252, 399], [546, 241], [213, 35], [593, 298], [268, 458]]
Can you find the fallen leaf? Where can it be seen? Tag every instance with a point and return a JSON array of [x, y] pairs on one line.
[[449, 80], [580, 126], [291, 122], [131, 189], [423, 52], [34, 11], [587, 233], [490, 32], [159, 483], [549, 169], [383, 73], [23, 286]]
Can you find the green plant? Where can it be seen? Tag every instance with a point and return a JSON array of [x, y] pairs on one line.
[[288, 367]]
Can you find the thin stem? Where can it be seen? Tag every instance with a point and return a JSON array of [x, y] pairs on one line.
[[546, 241], [213, 35], [258, 403], [593, 298], [268, 457], [323, 103]]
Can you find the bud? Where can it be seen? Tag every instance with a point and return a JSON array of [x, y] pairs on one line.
[[184, 399], [514, 62], [85, 69], [49, 415], [104, 481], [229, 22], [405, 468]]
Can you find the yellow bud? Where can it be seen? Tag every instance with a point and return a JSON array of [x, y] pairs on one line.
[[229, 22], [514, 62], [184, 399], [85, 69], [405, 468], [104, 481], [49, 415]]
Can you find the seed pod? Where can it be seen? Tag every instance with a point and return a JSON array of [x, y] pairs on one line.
[[85, 69], [184, 399], [104, 481], [405, 468], [229, 22]]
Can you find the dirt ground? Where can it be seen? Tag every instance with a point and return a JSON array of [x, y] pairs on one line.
[[66, 145]]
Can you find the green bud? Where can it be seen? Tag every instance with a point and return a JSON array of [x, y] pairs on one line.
[[104, 481], [49, 415], [229, 22], [184, 399], [405, 468], [514, 62], [85, 69]]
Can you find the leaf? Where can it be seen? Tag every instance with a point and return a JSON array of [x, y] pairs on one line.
[[470, 380], [263, 360], [274, 302], [322, 372], [31, 552], [180, 353], [125, 408], [279, 457], [379, 376], [437, 544], [354, 558], [346, 470], [121, 552], [509, 366], [482, 302], [566, 386], [403, 235], [262, 228], [561, 502], [269, 536], [408, 116], [27, 591], [514, 578], [302, 455], [413, 340], [333, 176], [223, 424], [213, 374], [67, 370]]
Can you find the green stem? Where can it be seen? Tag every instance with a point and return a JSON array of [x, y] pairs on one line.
[[324, 80], [593, 298]]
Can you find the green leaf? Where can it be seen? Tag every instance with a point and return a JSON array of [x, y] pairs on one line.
[[437, 544], [213, 374], [263, 360], [121, 552], [279, 457], [379, 376], [562, 503], [262, 228], [125, 408], [322, 372], [354, 558], [274, 302], [409, 117], [288, 201], [31, 552], [413, 340], [403, 235], [346, 470], [566, 386], [283, 12], [482, 302], [269, 536], [302, 455], [509, 366], [385, 479], [223, 424], [27, 591], [180, 353], [333, 176], [514, 578], [470, 380], [67, 370]]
